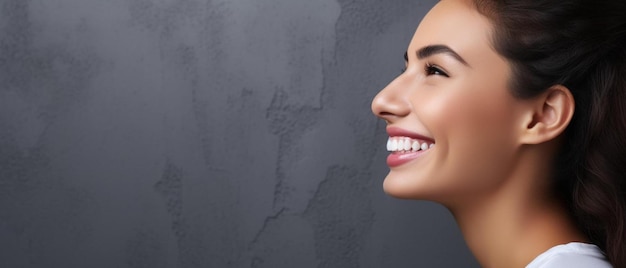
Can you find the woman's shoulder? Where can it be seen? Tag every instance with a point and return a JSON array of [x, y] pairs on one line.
[[571, 255]]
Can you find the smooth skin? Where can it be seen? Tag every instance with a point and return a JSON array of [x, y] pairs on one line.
[[491, 165]]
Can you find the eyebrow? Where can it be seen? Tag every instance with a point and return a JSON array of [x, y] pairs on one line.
[[431, 50]]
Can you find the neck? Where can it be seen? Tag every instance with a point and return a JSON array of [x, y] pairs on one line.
[[516, 223]]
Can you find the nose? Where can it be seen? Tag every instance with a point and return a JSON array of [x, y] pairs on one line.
[[391, 103]]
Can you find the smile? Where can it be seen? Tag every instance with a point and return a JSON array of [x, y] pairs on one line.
[[405, 149], [406, 145]]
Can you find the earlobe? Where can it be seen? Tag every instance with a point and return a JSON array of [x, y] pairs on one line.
[[549, 115]]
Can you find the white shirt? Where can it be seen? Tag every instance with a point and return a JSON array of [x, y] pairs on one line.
[[571, 255]]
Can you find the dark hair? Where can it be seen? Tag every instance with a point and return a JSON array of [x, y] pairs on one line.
[[580, 44]]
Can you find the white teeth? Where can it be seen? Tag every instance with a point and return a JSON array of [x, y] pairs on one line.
[[405, 144], [415, 146]]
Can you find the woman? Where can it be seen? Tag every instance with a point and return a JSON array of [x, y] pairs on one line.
[[512, 114]]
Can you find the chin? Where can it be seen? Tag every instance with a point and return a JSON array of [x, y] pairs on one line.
[[399, 188], [422, 188]]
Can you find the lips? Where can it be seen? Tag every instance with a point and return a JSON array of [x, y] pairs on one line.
[[403, 146], [398, 132]]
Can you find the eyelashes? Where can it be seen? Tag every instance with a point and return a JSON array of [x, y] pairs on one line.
[[430, 69]]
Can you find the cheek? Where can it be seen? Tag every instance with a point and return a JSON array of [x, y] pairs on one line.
[[464, 113], [474, 132]]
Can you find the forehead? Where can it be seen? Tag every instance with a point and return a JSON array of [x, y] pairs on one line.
[[457, 24]]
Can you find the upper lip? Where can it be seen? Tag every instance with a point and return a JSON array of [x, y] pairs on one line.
[[399, 132]]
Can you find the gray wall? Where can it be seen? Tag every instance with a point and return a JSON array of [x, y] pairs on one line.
[[205, 133]]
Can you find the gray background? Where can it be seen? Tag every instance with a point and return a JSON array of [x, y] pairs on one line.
[[206, 133]]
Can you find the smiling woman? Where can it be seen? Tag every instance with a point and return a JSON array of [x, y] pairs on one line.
[[512, 114]]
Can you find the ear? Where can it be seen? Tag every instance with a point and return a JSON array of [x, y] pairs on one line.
[[548, 115]]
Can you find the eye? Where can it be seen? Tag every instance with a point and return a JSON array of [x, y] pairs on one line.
[[432, 69]]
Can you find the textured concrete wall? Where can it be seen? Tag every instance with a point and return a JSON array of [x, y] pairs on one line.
[[205, 133]]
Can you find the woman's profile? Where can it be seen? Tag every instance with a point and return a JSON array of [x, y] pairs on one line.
[[512, 114]]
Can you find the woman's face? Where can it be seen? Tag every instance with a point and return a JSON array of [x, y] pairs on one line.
[[454, 95]]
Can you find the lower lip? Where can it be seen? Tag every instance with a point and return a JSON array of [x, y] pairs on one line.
[[398, 159]]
